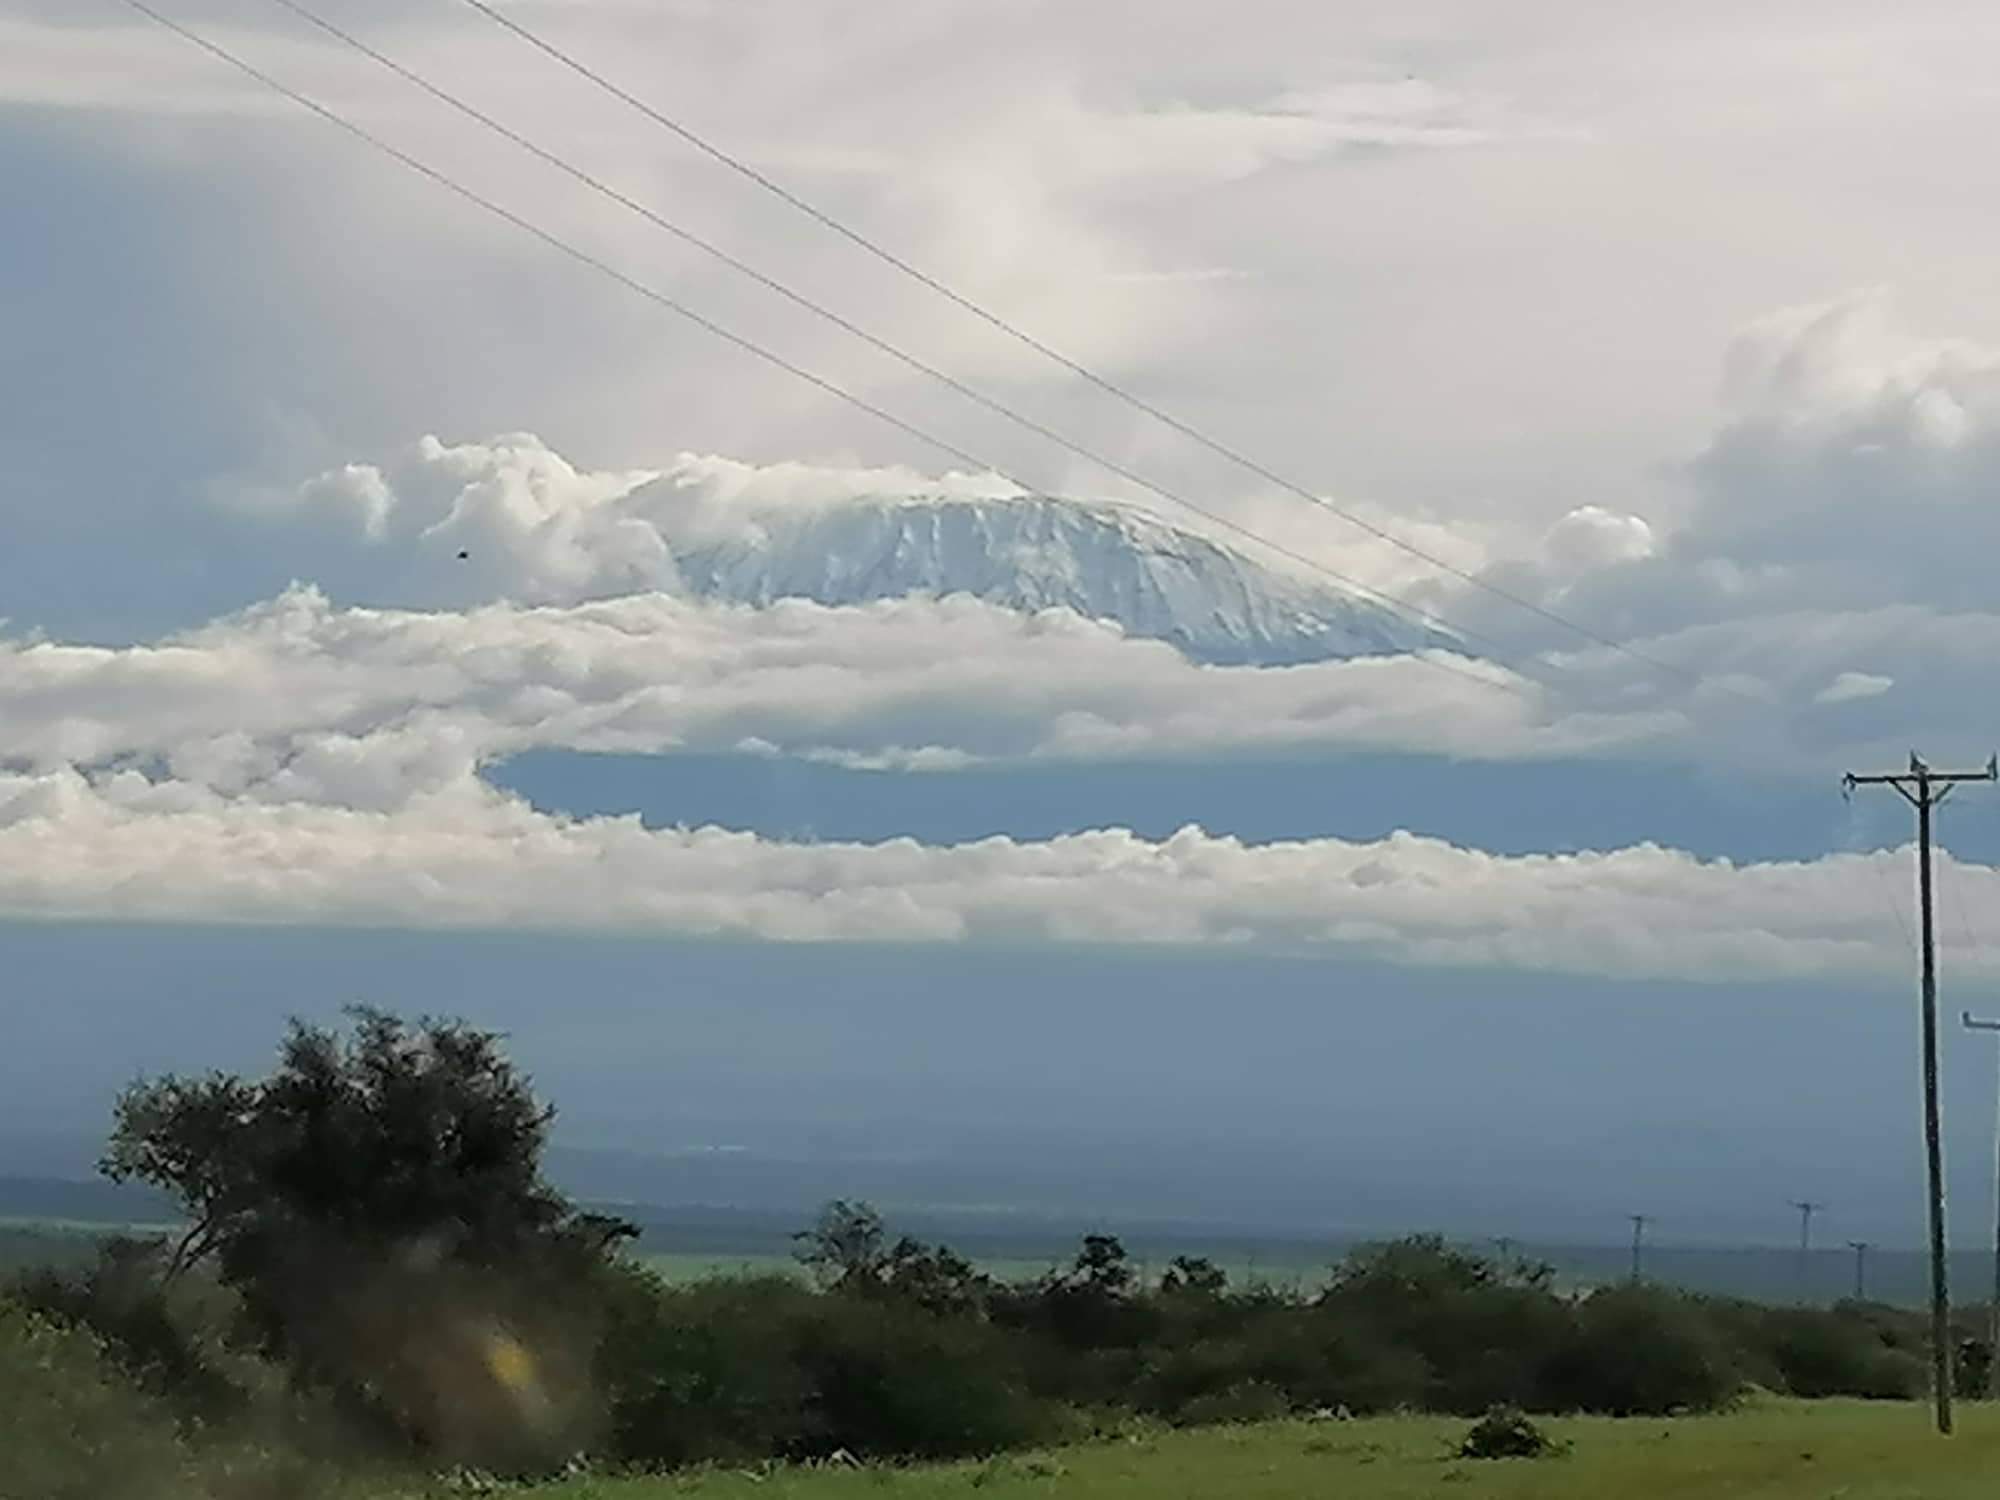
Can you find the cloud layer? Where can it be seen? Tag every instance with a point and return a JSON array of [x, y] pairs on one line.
[[130, 847], [300, 699]]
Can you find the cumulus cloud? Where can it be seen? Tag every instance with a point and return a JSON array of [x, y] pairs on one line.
[[1854, 470], [1591, 537], [1858, 457], [1853, 687], [300, 699], [129, 846], [539, 528]]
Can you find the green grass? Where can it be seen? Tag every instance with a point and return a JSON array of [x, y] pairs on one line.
[[1770, 1451]]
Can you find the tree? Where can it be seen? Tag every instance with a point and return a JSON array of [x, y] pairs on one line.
[[847, 1247], [194, 1139], [1194, 1276], [396, 1135], [378, 1204], [1100, 1267], [935, 1278]]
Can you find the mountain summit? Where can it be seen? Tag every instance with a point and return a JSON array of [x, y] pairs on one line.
[[1106, 562]]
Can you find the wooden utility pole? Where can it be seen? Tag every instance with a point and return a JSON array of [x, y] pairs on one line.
[[1924, 789], [1860, 1249], [1806, 1210], [1639, 1223]]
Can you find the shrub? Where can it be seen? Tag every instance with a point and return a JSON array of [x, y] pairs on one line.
[[890, 1379], [1245, 1401], [75, 1429], [703, 1373], [1642, 1351], [1484, 1336], [1507, 1432], [730, 1371], [170, 1339], [1831, 1354]]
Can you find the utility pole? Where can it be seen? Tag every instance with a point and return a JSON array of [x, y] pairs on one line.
[[1806, 1211], [1924, 789], [1860, 1249], [1993, 1309], [1505, 1245], [1639, 1223]]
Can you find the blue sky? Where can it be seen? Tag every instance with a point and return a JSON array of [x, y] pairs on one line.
[[1686, 338]]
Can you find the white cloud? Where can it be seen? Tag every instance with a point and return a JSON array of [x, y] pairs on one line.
[[298, 698], [131, 68], [539, 528], [128, 847], [1853, 687], [1592, 537], [1855, 470]]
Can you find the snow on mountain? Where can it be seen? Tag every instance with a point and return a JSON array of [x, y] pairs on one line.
[[511, 518], [1031, 552]]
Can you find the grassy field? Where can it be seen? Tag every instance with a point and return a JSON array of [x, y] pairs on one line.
[[1771, 1451]]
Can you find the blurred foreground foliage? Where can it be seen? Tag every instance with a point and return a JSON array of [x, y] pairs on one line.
[[374, 1273]]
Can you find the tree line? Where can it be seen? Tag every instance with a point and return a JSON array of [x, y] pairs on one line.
[[372, 1267]]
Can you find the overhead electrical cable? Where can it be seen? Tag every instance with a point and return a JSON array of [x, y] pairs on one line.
[[894, 351], [1435, 659], [751, 347], [1040, 346]]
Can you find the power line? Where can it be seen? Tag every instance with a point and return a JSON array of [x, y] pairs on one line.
[[1076, 367], [1889, 900], [749, 346], [799, 299], [555, 241]]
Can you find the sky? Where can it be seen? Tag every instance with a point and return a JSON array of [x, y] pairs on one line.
[[1669, 350]]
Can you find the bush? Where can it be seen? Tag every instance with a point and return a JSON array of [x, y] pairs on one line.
[[1641, 1351], [1831, 1354], [1507, 1432], [1972, 1370], [171, 1340], [703, 1373], [75, 1429], [731, 1371], [1484, 1336], [1246, 1401], [889, 1379]]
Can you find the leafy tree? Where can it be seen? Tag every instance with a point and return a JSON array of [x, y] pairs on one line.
[[847, 1250], [1100, 1267], [378, 1203], [1194, 1276], [847, 1247], [399, 1134], [934, 1277]]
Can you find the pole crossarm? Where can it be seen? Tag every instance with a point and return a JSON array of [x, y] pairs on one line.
[[1921, 784]]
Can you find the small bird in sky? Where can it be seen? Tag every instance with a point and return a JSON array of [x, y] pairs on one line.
[[463, 554]]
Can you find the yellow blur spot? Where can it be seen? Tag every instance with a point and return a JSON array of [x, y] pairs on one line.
[[510, 1363]]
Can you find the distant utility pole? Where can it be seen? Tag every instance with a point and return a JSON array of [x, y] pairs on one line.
[[1993, 1311], [1806, 1211], [1860, 1249], [1924, 789], [1639, 1223], [1505, 1246]]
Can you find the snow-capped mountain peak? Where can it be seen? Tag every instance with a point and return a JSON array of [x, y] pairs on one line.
[[1105, 562]]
